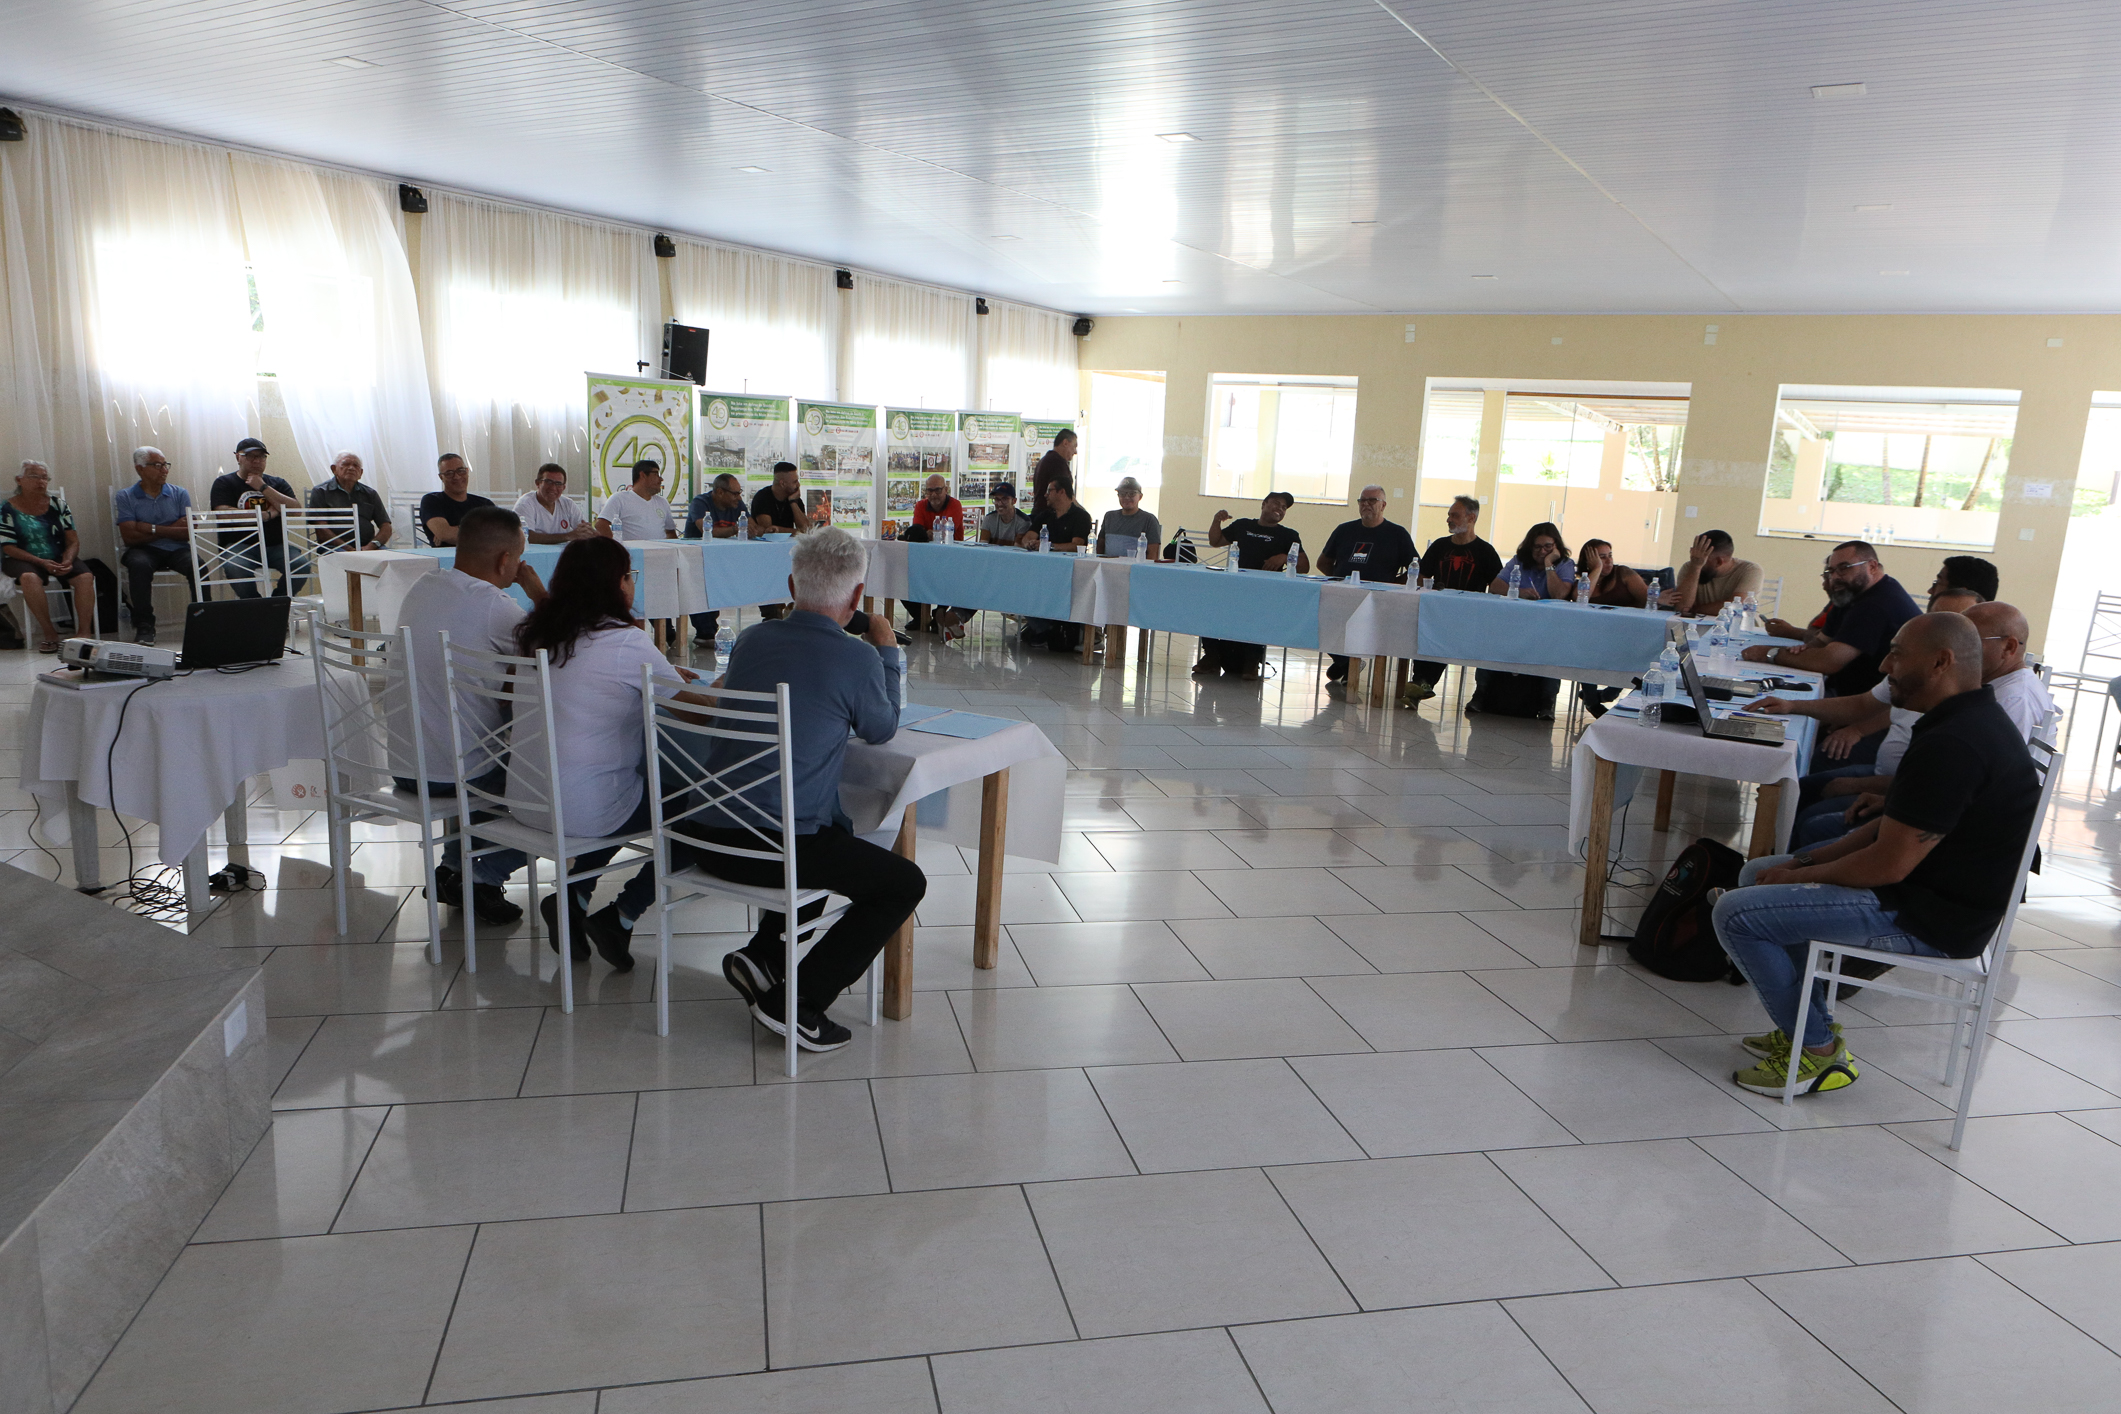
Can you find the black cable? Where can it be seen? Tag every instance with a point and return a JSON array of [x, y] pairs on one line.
[[150, 893]]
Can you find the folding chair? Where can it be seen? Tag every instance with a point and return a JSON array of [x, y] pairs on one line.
[[527, 812], [308, 535], [1977, 976], [368, 690], [405, 511], [228, 546], [686, 795]]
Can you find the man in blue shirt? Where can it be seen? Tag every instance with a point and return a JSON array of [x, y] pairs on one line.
[[152, 523], [714, 514], [836, 685]]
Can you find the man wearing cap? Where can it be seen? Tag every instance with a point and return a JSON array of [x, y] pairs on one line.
[[239, 490], [1005, 524], [1121, 529]]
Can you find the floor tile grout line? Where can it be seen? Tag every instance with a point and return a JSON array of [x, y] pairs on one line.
[[876, 1117], [1106, 1109], [2047, 1306], [1310, 1237], [1713, 1158], [1502, 1304], [1530, 1099], [1753, 1282], [1603, 1270], [367, 1152], [1023, 1192], [434, 1367], [633, 1138], [1230, 1335], [1893, 1128]]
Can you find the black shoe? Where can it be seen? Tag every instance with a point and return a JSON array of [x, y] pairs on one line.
[[449, 888], [613, 939], [814, 1031], [491, 906], [145, 637], [1862, 967], [900, 635], [577, 927], [751, 981], [1336, 673]]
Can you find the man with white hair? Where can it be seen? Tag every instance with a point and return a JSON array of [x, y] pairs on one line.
[[1369, 546], [344, 491], [153, 522], [836, 685]]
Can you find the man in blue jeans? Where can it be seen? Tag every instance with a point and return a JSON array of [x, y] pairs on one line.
[[1931, 876]]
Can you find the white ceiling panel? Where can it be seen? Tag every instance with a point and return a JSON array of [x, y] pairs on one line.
[[1350, 155]]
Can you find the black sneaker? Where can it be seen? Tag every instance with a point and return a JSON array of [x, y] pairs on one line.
[[814, 1031], [613, 939], [491, 905], [577, 927], [449, 889], [145, 637], [750, 980]]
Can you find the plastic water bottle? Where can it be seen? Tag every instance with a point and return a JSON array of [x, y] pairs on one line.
[[743, 526], [1141, 546], [1288, 565], [724, 645], [1045, 540], [1656, 587], [1516, 578], [1654, 683], [1582, 592]]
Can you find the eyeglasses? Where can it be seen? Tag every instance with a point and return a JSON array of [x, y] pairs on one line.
[[161, 464], [1846, 566]]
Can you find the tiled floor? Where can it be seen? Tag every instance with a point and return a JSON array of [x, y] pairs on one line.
[[1292, 1091]]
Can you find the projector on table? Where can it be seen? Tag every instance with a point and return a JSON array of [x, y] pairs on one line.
[[127, 660]]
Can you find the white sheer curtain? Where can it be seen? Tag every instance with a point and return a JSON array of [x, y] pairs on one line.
[[1030, 361], [518, 306], [773, 322], [129, 311], [911, 345], [341, 327]]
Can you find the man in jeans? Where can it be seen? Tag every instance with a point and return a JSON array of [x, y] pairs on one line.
[[1931, 876], [836, 685], [154, 526]]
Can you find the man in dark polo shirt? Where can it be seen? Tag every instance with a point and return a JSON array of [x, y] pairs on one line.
[[1370, 546], [1932, 876], [441, 512], [1067, 526], [1257, 543], [1865, 607], [1058, 464]]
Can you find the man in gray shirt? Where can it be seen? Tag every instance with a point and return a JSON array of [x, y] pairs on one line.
[[1118, 534], [836, 685], [1005, 524]]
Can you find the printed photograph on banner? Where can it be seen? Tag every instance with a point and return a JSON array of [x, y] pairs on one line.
[[745, 434], [631, 419], [989, 441], [836, 446]]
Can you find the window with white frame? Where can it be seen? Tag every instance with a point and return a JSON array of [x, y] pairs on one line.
[[1269, 433]]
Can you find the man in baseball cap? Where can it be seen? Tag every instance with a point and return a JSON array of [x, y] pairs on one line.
[[240, 490]]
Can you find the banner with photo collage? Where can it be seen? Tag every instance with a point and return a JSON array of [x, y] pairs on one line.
[[990, 449], [836, 449], [917, 445], [1038, 440], [635, 418], [745, 435]]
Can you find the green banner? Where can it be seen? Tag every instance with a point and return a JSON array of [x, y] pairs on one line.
[[631, 419], [990, 449], [918, 444], [836, 451], [745, 435]]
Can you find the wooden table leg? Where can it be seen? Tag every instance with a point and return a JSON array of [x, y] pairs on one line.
[[1600, 838], [898, 953], [1765, 809], [1665, 781], [1400, 669], [1089, 641], [1354, 679], [993, 832], [1115, 645], [356, 613], [1141, 649], [1377, 681]]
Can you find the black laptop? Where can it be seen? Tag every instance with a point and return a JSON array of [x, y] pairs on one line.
[[234, 633]]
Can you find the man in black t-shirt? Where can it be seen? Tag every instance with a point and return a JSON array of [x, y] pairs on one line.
[[441, 512], [1460, 560], [1058, 464], [1067, 525], [1931, 877], [1256, 543], [1369, 546], [240, 490], [778, 508], [1867, 606]]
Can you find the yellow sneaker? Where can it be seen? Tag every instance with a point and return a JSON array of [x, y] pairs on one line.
[[1815, 1074]]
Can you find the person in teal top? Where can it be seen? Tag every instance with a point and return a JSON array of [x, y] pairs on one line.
[[39, 545]]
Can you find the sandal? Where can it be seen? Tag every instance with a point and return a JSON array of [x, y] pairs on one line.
[[48, 645]]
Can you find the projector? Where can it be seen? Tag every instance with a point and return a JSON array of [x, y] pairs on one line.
[[125, 660]]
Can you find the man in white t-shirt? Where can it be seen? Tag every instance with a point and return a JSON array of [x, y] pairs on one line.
[[639, 512], [470, 601], [550, 515]]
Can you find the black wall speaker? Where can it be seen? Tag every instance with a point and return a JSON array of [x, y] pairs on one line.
[[1083, 325], [685, 352], [411, 200]]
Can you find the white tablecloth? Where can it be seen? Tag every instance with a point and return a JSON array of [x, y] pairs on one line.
[[389, 572], [1099, 594], [672, 581], [1367, 623], [1680, 748], [943, 773], [189, 745]]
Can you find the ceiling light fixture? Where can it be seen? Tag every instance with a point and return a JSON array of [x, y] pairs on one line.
[[1178, 137], [1892, 272], [1487, 277], [754, 170], [1006, 237], [1875, 207], [1838, 90], [347, 61], [1371, 221]]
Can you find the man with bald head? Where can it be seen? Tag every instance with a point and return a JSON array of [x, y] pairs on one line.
[[1931, 876]]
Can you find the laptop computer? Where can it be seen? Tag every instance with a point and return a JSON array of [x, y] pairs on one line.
[[1733, 727], [232, 633]]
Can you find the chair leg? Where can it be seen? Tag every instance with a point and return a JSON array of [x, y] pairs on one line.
[[876, 988], [790, 926], [1804, 1013], [565, 913], [662, 957], [434, 905], [335, 831], [1973, 1060]]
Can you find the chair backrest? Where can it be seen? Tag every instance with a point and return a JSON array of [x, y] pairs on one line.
[[227, 546], [720, 768], [368, 691], [501, 717], [2102, 637], [307, 533], [405, 512], [1770, 596], [2047, 760]]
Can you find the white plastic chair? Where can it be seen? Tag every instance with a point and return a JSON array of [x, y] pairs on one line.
[[161, 577], [686, 795], [306, 536], [405, 513], [1770, 596], [1977, 977], [525, 744], [368, 691], [227, 547]]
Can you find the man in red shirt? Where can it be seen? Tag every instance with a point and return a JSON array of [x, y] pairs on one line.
[[939, 504]]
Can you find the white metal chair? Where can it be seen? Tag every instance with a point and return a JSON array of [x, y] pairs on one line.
[[687, 795], [1977, 977], [228, 547], [58, 597], [405, 512], [527, 813], [306, 536], [1770, 596], [368, 691]]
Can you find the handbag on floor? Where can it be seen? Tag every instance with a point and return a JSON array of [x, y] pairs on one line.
[[1501, 694], [1676, 937]]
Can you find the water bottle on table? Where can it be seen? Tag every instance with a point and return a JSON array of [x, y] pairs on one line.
[[724, 644], [1288, 564], [1654, 687], [1045, 540], [1516, 578]]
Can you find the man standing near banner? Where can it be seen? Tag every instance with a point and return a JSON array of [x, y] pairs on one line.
[[1057, 464]]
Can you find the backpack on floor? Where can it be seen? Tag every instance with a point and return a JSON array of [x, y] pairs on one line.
[[1502, 694], [1677, 937]]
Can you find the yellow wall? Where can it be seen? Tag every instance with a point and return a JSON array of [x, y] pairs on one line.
[[1734, 383]]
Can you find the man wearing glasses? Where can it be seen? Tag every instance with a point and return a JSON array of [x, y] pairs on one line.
[[550, 516], [444, 510], [1370, 546], [1868, 607], [152, 524]]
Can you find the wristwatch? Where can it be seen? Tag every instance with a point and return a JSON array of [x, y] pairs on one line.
[[1800, 861], [1774, 655]]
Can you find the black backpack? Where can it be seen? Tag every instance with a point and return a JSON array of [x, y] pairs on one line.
[[1676, 937]]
